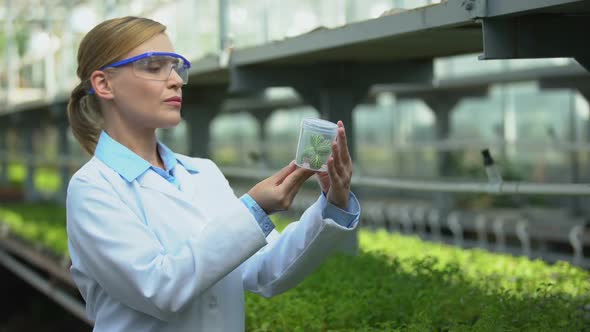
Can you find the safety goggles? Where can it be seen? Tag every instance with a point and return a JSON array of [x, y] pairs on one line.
[[155, 66]]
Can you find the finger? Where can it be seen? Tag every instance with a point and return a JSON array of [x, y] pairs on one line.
[[332, 170], [338, 163], [335, 150], [323, 180], [322, 175], [343, 142], [280, 176], [290, 187], [296, 179]]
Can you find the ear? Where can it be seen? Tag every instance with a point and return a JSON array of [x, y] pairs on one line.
[[101, 85]]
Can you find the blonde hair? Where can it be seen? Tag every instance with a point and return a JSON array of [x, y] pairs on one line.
[[106, 43]]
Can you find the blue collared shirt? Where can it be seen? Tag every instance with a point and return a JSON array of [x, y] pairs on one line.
[[130, 166]]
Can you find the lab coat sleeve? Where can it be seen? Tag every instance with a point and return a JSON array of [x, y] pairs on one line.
[[292, 255], [124, 256]]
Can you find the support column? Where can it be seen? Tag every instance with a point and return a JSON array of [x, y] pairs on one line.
[[3, 157], [582, 85], [59, 119], [201, 106], [442, 108], [64, 158], [442, 102], [585, 92], [262, 116], [576, 202], [31, 193]]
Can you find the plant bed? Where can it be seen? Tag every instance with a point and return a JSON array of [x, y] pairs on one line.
[[400, 283]]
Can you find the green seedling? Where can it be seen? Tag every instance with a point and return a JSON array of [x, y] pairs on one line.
[[316, 152]]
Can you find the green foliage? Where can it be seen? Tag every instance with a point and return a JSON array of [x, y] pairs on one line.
[[47, 180], [316, 152], [400, 283], [396, 283], [43, 224]]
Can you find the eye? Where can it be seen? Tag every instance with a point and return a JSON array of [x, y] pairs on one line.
[[154, 66]]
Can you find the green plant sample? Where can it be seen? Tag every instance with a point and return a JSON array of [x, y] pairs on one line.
[[316, 152]]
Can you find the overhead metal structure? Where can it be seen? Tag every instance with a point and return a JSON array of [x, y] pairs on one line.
[[452, 27], [335, 69]]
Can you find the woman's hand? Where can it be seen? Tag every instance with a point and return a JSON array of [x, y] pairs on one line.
[[277, 192], [336, 183]]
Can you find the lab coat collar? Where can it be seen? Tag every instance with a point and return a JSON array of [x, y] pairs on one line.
[[129, 165]]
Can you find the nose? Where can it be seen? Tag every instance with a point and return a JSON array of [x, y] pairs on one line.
[[174, 80]]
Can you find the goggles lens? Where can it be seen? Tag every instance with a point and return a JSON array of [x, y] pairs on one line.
[[159, 68]]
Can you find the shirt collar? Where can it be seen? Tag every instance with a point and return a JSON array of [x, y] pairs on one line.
[[130, 165]]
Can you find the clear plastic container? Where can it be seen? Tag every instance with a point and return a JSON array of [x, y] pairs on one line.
[[315, 144]]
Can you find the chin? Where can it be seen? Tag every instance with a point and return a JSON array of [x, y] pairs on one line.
[[167, 125], [170, 121]]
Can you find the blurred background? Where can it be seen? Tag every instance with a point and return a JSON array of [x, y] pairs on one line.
[[537, 130]]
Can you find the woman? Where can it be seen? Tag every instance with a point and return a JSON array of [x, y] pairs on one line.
[[158, 240]]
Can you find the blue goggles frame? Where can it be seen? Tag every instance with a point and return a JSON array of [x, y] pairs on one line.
[[186, 63]]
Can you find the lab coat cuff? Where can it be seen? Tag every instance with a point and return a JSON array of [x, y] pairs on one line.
[[266, 225], [345, 218]]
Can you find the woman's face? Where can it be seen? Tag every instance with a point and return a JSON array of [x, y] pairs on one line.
[[142, 102]]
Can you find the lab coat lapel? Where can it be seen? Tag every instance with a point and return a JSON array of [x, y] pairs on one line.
[[187, 182], [154, 181]]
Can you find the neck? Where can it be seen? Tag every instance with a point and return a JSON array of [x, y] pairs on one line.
[[142, 141]]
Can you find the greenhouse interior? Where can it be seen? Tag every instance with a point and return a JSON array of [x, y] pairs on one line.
[[467, 125]]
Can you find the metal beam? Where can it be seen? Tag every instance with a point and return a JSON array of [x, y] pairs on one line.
[[520, 7], [433, 94], [386, 29], [584, 61], [502, 188], [579, 83], [330, 75], [43, 285], [539, 36]]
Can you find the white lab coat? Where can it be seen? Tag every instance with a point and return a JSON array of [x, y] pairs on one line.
[[147, 256]]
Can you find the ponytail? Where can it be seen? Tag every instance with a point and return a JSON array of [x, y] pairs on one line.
[[85, 118]]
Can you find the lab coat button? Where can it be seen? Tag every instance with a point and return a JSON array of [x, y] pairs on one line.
[[212, 303]]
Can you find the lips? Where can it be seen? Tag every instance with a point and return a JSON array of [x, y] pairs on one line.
[[174, 101]]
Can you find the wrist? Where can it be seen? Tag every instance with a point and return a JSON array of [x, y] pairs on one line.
[[257, 200], [340, 201]]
